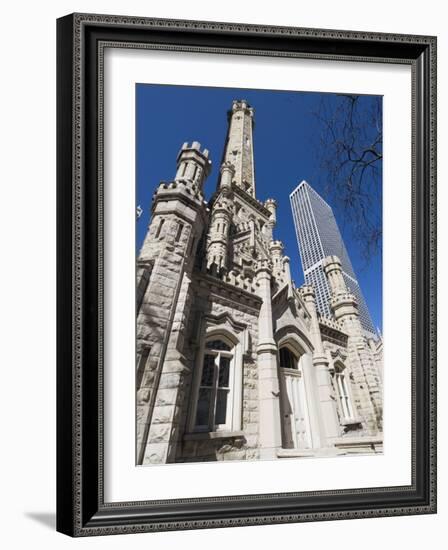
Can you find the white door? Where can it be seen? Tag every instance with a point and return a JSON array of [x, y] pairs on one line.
[[296, 408]]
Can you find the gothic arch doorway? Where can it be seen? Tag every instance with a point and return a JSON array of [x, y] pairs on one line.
[[295, 416]]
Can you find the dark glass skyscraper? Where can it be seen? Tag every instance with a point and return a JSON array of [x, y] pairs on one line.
[[318, 236]]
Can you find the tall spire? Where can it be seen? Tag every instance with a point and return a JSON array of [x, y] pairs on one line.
[[239, 150]]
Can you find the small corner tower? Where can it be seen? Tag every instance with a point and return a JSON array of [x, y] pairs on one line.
[[221, 220], [166, 261], [193, 165], [343, 303], [271, 206]]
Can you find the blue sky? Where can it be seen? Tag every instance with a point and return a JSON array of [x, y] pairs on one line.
[[286, 136]]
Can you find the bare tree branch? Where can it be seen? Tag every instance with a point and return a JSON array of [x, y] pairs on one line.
[[350, 154]]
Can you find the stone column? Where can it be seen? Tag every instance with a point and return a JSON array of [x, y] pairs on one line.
[[329, 425], [268, 382]]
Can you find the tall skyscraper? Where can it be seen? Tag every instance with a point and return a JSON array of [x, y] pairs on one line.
[[318, 236]]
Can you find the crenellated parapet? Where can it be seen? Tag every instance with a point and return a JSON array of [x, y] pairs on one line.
[[243, 106], [307, 293], [264, 265], [276, 251], [330, 323], [238, 280]]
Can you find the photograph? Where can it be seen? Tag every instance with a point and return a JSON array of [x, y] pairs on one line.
[[258, 269], [246, 305]]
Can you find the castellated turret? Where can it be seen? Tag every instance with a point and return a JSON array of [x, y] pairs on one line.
[[221, 219], [177, 203], [271, 206], [276, 249], [281, 269], [193, 165], [164, 292], [343, 303]]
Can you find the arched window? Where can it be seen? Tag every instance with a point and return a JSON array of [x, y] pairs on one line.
[[345, 405], [287, 359], [214, 401]]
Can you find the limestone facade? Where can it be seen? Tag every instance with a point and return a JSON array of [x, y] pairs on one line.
[[233, 360]]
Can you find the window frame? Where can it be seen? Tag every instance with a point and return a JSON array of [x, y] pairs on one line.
[[233, 354], [340, 380]]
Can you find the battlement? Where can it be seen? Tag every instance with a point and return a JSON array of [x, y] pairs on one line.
[[176, 187], [331, 262], [343, 298], [195, 146], [306, 290], [241, 104], [238, 280], [330, 323], [264, 265], [276, 245], [227, 165], [270, 204]]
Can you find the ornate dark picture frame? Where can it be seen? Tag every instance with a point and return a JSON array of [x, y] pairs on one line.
[[81, 509]]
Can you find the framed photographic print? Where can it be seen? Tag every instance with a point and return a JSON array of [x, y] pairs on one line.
[[246, 274]]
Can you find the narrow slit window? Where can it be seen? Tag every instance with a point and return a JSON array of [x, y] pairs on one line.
[[193, 242], [141, 364], [180, 227], [159, 229]]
